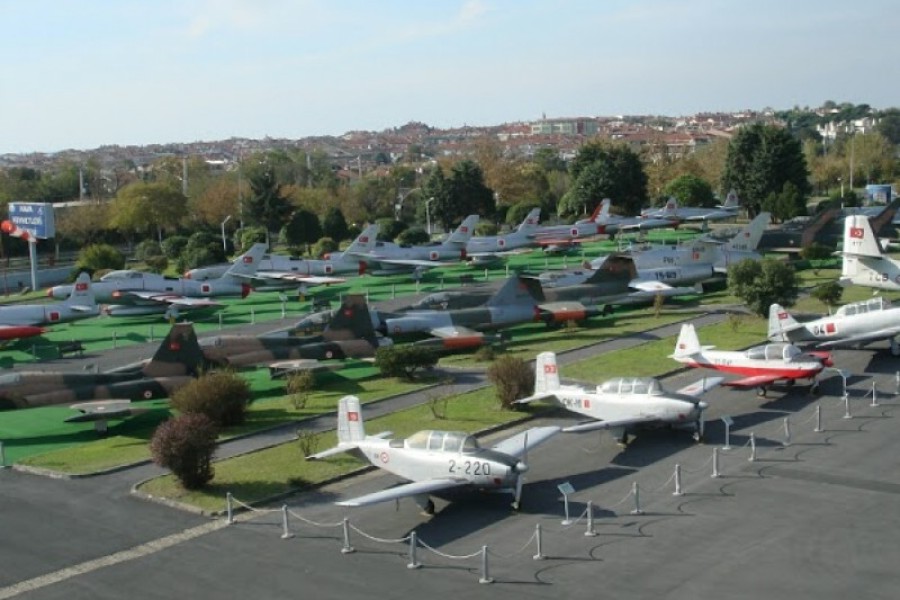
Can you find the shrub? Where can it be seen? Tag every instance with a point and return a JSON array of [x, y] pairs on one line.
[[828, 293], [97, 257], [147, 249], [298, 386], [157, 264], [185, 445], [816, 251], [222, 397], [413, 236], [324, 246], [173, 246], [404, 361], [513, 378]]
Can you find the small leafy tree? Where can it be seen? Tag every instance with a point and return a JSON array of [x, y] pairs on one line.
[[762, 283], [98, 257], [413, 236], [222, 397], [185, 445], [324, 246], [828, 293], [403, 361], [816, 251], [173, 246], [298, 386], [334, 225], [512, 377]]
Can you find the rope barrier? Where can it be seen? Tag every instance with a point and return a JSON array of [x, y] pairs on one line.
[[402, 540], [520, 550], [314, 523], [455, 556]]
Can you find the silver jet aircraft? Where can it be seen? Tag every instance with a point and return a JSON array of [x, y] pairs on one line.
[[728, 210], [853, 325], [623, 403], [26, 320], [434, 461]]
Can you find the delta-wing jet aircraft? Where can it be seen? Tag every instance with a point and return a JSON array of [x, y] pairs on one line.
[[760, 366], [853, 325], [621, 404], [349, 334], [434, 461], [391, 258], [864, 262], [517, 301], [26, 320], [177, 361], [135, 292]]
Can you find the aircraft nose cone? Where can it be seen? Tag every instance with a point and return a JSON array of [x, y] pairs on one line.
[[520, 467]]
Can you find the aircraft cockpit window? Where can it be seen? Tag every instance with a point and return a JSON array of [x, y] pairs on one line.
[[851, 310], [436, 441], [625, 386], [757, 353], [790, 352], [396, 443], [640, 387], [610, 387], [470, 444], [418, 440], [453, 441]]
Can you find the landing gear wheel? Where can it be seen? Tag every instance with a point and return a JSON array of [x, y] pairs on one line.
[[814, 389], [790, 382], [517, 506], [761, 391], [429, 508]]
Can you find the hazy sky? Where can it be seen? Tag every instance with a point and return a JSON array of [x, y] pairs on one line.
[[80, 74]]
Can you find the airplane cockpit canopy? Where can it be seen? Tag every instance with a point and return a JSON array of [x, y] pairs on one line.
[[631, 385], [442, 441], [777, 351], [122, 274], [865, 306]]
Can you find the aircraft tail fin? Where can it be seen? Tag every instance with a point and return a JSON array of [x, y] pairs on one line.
[[530, 223], [350, 426], [365, 241], [603, 216], [687, 344], [859, 239], [546, 373], [82, 294], [517, 290], [351, 321], [178, 354], [731, 200], [247, 263], [671, 207], [780, 323], [464, 232], [747, 239], [615, 266]]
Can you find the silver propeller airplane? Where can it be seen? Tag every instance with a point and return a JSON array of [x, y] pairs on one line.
[[623, 403], [854, 324], [434, 461]]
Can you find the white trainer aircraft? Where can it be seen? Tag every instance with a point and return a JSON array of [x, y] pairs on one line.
[[853, 325], [27, 320], [623, 403], [434, 461], [864, 261], [760, 365]]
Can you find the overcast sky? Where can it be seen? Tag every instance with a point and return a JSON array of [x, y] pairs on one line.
[[80, 74]]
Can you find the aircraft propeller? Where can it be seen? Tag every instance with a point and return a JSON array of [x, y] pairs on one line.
[[519, 469]]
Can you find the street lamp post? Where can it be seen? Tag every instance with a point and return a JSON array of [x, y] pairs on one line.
[[428, 215], [224, 243], [400, 198]]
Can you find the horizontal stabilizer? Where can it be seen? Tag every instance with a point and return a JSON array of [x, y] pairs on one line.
[[598, 425], [701, 386]]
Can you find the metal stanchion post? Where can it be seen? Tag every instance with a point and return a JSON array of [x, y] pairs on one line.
[[752, 447], [151, 333], [115, 340], [636, 492], [347, 549], [677, 491], [286, 534], [590, 520], [485, 573], [846, 399], [441, 283], [413, 542], [818, 427], [229, 508], [252, 316], [220, 322], [787, 431], [874, 395], [393, 291], [715, 472], [539, 555], [2, 457]]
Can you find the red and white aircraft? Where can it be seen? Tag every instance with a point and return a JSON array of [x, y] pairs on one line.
[[26, 320], [760, 365]]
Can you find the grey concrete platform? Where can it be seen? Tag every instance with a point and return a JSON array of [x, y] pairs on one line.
[[813, 519]]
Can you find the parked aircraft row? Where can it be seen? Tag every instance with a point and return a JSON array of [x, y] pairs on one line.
[[27, 320]]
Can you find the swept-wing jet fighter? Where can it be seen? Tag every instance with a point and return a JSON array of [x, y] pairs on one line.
[[391, 258], [760, 365], [728, 210], [621, 404], [864, 262], [177, 361], [853, 325], [434, 461], [305, 271], [492, 245], [26, 320], [614, 224], [349, 334], [517, 301], [549, 235], [135, 292]]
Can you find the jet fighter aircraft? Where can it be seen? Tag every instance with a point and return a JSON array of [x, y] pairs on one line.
[[728, 210], [135, 292], [623, 403], [434, 461], [26, 320], [760, 365], [349, 334], [864, 261], [177, 361], [853, 325], [492, 245]]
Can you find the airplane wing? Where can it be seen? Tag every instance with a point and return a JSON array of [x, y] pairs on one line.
[[871, 336], [520, 443], [701, 386], [754, 381], [595, 425], [296, 277], [418, 263], [177, 300], [405, 490], [101, 410], [458, 333]]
